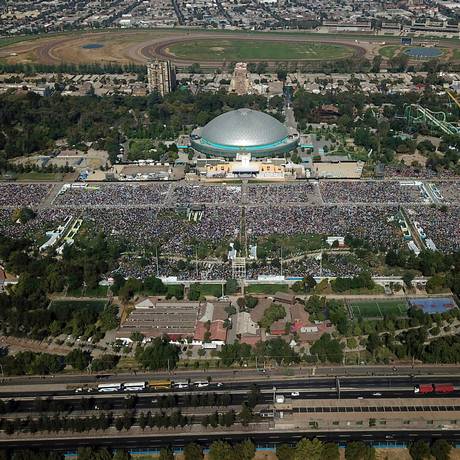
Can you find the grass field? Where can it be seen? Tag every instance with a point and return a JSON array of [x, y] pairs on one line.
[[236, 50], [96, 304], [389, 51], [268, 289], [100, 291], [378, 308], [456, 54]]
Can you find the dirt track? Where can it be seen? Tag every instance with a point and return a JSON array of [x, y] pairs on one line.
[[138, 47]]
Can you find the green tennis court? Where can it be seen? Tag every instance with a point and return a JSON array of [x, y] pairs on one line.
[[377, 308]]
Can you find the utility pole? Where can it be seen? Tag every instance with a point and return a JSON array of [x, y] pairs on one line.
[[158, 268], [281, 250]]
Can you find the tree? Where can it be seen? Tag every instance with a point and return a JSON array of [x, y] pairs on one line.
[[327, 349], [408, 277], [440, 449], [159, 355], [166, 454], [154, 286], [245, 416], [420, 450], [245, 450], [231, 286], [121, 454], [78, 359], [308, 449], [331, 451], [220, 450], [285, 452], [193, 451], [359, 451]]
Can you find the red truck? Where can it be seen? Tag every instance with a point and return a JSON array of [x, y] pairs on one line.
[[436, 388], [424, 388], [443, 388]]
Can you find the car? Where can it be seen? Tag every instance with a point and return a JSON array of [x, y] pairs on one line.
[[219, 384], [359, 397], [377, 394], [78, 390], [295, 394]]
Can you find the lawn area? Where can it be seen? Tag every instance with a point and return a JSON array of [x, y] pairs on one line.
[[456, 54], [389, 51], [236, 50], [40, 176], [100, 291], [378, 308], [292, 245], [59, 304], [268, 289]]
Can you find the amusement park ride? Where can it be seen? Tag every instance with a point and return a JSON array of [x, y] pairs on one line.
[[415, 114]]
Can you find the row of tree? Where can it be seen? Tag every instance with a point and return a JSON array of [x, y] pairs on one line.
[[311, 449]]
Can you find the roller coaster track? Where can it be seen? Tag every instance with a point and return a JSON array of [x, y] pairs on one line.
[[453, 98], [416, 114]]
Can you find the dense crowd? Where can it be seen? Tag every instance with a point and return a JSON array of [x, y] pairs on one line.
[[305, 192], [450, 190], [16, 195], [416, 172], [369, 192], [441, 224], [176, 235], [197, 193], [370, 223], [114, 194]]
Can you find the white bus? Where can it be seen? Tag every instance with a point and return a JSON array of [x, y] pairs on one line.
[[181, 385], [109, 387], [135, 386]]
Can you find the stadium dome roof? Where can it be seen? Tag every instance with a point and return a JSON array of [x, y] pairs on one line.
[[244, 128]]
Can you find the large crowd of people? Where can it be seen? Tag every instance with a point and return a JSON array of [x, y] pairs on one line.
[[146, 215], [441, 224], [370, 223], [369, 192], [15, 195], [305, 192], [450, 190], [113, 194], [197, 193]]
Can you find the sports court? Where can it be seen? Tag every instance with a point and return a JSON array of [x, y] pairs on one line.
[[432, 305], [377, 309]]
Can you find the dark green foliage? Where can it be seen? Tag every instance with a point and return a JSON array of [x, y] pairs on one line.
[[160, 354], [359, 451], [420, 450], [327, 349]]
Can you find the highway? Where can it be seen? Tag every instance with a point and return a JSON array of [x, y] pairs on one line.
[[311, 372], [310, 384], [138, 442]]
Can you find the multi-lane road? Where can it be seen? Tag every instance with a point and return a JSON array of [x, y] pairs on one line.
[[376, 391], [317, 387]]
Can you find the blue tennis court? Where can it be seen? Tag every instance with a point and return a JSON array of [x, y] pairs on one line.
[[432, 305]]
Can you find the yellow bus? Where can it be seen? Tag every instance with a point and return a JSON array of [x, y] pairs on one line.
[[160, 384]]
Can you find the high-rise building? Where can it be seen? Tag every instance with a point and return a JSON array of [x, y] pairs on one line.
[[161, 76]]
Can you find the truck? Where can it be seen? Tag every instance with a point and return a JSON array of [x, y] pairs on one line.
[[423, 388], [279, 399], [135, 386], [434, 388], [443, 388]]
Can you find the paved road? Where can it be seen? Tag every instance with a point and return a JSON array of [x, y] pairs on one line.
[[270, 439], [242, 375], [315, 386]]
